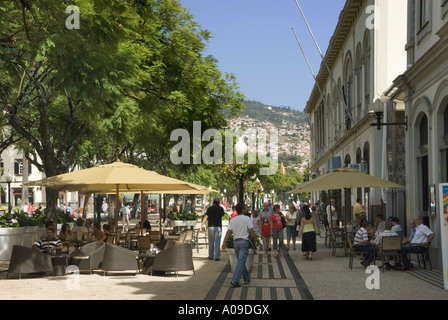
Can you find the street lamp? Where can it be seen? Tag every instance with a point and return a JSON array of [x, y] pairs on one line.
[[378, 110], [8, 178]]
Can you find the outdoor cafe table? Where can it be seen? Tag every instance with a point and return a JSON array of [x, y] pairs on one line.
[[60, 263]]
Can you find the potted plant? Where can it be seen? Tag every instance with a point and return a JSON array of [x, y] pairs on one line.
[[10, 234], [183, 219], [31, 228], [233, 257]]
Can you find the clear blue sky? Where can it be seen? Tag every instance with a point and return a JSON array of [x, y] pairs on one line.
[[253, 40]]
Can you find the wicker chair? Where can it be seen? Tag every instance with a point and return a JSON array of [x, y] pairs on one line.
[[117, 258], [27, 260], [89, 257], [174, 259], [165, 244]]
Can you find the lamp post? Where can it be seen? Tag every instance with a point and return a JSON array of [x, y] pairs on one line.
[[8, 178], [240, 151], [378, 110]]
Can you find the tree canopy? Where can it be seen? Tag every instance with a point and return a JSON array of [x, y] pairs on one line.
[[114, 88]]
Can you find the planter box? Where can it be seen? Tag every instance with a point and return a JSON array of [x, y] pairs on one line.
[[183, 223], [9, 237], [234, 260], [225, 227]]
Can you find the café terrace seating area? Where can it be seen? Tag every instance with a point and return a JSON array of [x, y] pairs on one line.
[[166, 251]]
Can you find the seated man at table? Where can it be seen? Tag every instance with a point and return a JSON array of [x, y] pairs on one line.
[[361, 243], [420, 242], [50, 244], [386, 233]]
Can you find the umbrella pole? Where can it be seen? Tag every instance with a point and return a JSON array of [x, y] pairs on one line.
[[117, 200], [141, 213], [160, 214], [345, 216]]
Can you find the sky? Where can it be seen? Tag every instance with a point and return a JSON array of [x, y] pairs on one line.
[[253, 39]]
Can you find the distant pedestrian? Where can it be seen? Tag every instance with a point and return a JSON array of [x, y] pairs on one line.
[[308, 234], [291, 227], [266, 235], [243, 233], [214, 216], [126, 212], [277, 229]]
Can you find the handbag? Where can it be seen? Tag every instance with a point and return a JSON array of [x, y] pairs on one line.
[[316, 229], [283, 220]]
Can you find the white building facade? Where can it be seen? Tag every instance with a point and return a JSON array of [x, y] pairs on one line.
[[423, 87], [364, 56]]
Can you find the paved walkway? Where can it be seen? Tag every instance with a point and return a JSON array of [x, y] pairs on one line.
[[290, 277]]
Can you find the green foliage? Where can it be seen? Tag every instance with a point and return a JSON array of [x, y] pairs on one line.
[[64, 217], [25, 220], [8, 220], [183, 216]]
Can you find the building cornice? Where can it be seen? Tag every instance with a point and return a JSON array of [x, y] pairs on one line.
[[347, 20]]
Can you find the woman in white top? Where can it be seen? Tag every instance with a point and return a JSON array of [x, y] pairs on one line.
[[291, 226]]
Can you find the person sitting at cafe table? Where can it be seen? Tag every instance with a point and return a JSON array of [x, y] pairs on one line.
[[97, 233], [49, 244], [146, 225], [419, 244], [80, 230], [106, 230], [66, 233], [386, 233], [396, 227], [361, 243], [379, 224]]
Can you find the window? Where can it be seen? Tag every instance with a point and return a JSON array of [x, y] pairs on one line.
[[18, 167], [423, 14], [423, 18], [424, 163]]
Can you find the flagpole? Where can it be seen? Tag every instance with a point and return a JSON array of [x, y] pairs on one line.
[[341, 95]]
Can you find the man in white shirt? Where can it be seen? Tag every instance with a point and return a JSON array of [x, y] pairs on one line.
[[361, 243], [420, 243], [332, 216], [243, 232]]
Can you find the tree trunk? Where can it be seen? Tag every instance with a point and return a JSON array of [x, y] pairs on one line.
[[25, 173], [52, 204]]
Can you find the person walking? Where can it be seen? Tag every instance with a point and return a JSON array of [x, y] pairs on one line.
[[277, 229], [265, 213], [266, 235], [307, 233], [243, 232], [291, 227], [214, 216], [125, 211]]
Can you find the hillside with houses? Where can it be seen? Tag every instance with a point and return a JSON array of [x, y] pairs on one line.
[[292, 126]]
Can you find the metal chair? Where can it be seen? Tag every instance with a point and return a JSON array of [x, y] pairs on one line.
[[390, 247], [144, 244], [423, 252]]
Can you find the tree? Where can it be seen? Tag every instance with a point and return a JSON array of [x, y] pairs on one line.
[[114, 88]]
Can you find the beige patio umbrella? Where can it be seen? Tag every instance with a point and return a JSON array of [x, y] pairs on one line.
[[200, 190], [344, 178], [118, 177]]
